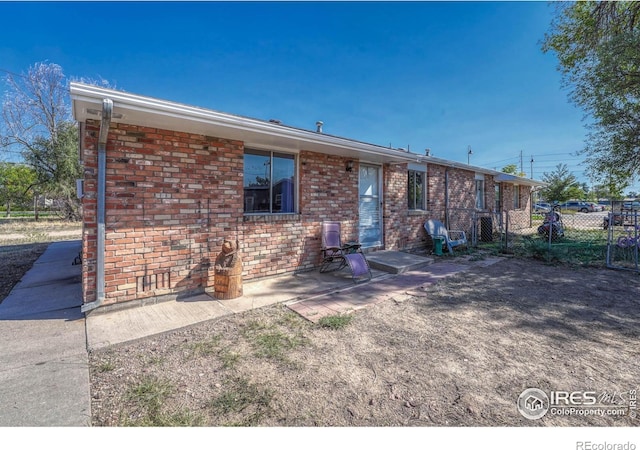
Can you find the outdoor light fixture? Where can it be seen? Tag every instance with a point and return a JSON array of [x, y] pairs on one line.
[[349, 167]]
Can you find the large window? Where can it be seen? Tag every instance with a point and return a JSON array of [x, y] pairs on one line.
[[269, 182], [479, 191], [417, 189]]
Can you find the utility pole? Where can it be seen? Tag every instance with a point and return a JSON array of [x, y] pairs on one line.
[[521, 168], [531, 167]]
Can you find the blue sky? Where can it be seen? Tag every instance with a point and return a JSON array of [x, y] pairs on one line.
[[438, 75]]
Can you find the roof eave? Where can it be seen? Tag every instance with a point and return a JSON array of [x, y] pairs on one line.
[[155, 113], [502, 177], [146, 111]]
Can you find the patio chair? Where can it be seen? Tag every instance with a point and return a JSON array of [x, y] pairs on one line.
[[336, 256], [451, 238]]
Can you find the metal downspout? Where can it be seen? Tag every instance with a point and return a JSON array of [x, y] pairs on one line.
[[107, 110]]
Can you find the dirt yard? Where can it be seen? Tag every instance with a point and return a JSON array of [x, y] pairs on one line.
[[455, 354]]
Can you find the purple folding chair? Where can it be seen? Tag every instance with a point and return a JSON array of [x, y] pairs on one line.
[[336, 256]]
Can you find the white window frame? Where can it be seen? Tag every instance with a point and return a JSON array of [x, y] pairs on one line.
[[422, 170]]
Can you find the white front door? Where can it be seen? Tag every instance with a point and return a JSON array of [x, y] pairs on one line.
[[370, 228]]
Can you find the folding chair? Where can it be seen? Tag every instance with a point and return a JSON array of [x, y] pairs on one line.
[[336, 256]]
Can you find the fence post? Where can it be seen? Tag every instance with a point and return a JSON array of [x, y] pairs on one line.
[[474, 229], [551, 229], [506, 231]]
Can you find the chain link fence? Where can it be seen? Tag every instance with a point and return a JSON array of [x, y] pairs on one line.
[[623, 237], [599, 238]]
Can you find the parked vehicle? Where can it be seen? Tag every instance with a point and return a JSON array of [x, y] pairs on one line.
[[631, 206], [576, 206], [542, 207], [596, 207]]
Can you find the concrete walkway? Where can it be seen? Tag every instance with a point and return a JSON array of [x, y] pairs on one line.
[[106, 328], [353, 298], [44, 369]]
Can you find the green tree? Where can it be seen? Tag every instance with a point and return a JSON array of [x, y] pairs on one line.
[[598, 49], [609, 189], [37, 121], [562, 185], [513, 170], [57, 167], [16, 182]]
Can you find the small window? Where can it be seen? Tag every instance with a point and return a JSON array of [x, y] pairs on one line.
[[516, 197], [498, 196], [479, 191], [269, 182], [417, 190]]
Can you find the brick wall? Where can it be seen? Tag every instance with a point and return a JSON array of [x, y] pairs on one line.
[[396, 227], [277, 244], [519, 218], [171, 198], [404, 228], [461, 198]]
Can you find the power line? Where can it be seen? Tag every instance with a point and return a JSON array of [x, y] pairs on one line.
[[517, 158], [501, 161], [12, 73]]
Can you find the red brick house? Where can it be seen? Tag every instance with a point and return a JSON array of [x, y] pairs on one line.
[[165, 183]]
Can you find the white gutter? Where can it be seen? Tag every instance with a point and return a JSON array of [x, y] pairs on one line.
[[107, 110]]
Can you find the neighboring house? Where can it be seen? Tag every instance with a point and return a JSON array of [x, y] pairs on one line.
[[165, 183]]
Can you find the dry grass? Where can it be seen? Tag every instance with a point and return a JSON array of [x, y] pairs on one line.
[[27, 231]]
